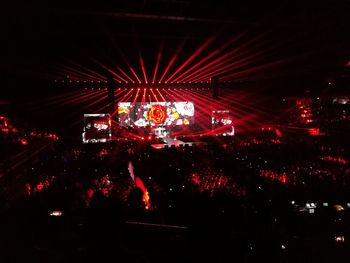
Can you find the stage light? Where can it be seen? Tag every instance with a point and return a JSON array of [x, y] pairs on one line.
[[339, 239], [56, 213], [193, 56]]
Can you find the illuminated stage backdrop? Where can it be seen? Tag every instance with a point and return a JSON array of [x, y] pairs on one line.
[[155, 113]]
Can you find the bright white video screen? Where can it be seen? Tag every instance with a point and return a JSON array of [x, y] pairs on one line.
[[221, 121], [155, 113], [97, 128]]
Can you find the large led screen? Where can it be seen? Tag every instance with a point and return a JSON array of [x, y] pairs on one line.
[[155, 113]]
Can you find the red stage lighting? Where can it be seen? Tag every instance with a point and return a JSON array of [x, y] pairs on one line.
[[159, 56], [172, 60], [193, 56]]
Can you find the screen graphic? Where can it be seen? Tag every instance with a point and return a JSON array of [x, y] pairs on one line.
[[221, 121], [155, 113], [97, 128]]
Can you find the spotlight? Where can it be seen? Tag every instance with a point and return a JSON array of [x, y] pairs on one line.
[[55, 213], [339, 239]]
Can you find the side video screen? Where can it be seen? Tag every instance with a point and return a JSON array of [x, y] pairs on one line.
[[221, 121], [97, 128]]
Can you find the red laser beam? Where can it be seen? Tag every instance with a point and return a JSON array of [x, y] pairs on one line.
[[214, 53], [159, 57], [143, 67], [172, 60], [193, 56]]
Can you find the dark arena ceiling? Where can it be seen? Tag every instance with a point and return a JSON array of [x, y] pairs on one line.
[[175, 41]]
